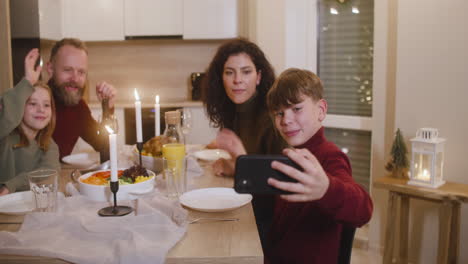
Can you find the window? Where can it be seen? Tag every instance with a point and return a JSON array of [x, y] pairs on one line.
[[345, 63]]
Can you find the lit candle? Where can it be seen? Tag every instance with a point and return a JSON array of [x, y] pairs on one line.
[[113, 153], [157, 108], [138, 117], [425, 175]]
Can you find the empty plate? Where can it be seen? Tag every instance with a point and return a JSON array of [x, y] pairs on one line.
[[214, 199], [82, 160], [211, 154], [17, 203]]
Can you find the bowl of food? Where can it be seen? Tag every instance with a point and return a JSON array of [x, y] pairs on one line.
[[151, 155], [133, 182]]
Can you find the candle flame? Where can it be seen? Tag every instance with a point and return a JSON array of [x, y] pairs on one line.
[[137, 97], [110, 130], [157, 99]]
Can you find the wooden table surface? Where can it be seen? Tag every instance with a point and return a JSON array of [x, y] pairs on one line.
[[449, 191], [208, 242]]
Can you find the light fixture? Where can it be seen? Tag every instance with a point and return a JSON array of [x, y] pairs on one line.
[[427, 158]]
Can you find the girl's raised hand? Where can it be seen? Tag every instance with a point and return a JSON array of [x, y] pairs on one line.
[[312, 182], [32, 73]]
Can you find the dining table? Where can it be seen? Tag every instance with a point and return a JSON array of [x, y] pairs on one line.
[[204, 242]]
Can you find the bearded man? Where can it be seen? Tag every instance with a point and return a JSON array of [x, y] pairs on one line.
[[68, 71]]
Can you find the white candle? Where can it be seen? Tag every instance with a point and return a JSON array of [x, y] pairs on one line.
[[138, 117], [425, 175], [113, 153], [157, 109]]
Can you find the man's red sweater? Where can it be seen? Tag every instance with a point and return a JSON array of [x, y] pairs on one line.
[[74, 122], [310, 232]]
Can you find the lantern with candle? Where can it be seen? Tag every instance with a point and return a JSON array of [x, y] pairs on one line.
[[427, 159]]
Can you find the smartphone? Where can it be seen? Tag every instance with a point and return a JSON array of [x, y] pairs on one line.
[[38, 62], [252, 172]]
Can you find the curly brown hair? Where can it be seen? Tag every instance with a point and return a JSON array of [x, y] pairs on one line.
[[219, 107]]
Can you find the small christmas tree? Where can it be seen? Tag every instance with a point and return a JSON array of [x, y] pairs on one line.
[[399, 163]]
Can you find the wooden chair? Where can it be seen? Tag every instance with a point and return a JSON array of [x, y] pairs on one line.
[[346, 244]]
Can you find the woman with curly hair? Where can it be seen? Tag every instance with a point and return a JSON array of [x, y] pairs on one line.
[[234, 94]]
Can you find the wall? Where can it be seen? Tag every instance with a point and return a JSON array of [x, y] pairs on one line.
[[6, 74], [430, 91], [153, 66], [270, 33]]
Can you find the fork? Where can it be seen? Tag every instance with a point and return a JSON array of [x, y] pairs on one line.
[[196, 220]]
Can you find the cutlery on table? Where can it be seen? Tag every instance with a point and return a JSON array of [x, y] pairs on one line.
[[210, 219]]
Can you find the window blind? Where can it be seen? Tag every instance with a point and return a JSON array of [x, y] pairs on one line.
[[345, 55], [357, 146]]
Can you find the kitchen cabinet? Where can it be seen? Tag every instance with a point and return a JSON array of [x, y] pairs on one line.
[[200, 19], [88, 20], [50, 19], [112, 20], [93, 20], [153, 17], [210, 19]]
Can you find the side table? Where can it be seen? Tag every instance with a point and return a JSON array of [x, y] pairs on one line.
[[450, 196]]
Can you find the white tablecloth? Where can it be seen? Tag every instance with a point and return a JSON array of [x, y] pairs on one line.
[[77, 234]]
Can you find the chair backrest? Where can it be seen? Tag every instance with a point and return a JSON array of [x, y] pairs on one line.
[[346, 244]]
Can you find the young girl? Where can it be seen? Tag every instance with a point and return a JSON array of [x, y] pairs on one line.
[[27, 120]]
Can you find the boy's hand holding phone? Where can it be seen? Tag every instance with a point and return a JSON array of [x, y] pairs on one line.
[[312, 183]]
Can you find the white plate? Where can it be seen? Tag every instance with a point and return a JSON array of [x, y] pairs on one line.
[[17, 203], [212, 154], [214, 199], [82, 160]]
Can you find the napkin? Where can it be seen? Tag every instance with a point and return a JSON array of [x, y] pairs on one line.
[[77, 234]]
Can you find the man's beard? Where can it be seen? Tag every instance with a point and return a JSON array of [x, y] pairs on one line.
[[67, 98]]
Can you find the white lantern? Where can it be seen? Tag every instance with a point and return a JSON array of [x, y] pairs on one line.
[[427, 159]]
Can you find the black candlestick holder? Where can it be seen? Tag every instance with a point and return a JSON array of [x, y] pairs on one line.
[[140, 148], [116, 210]]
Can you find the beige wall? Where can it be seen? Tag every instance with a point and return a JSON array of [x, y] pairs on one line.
[[270, 32], [153, 66], [430, 81], [6, 75]]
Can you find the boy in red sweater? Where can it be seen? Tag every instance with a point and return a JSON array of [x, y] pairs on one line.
[[307, 224]]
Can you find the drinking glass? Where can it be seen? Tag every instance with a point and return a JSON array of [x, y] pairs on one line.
[[174, 169], [110, 121], [175, 174], [44, 184], [185, 122]]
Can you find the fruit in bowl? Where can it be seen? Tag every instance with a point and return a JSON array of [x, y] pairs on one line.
[[133, 181]]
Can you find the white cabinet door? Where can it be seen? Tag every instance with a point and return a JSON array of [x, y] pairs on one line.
[[153, 17], [50, 19], [93, 20], [210, 19]]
